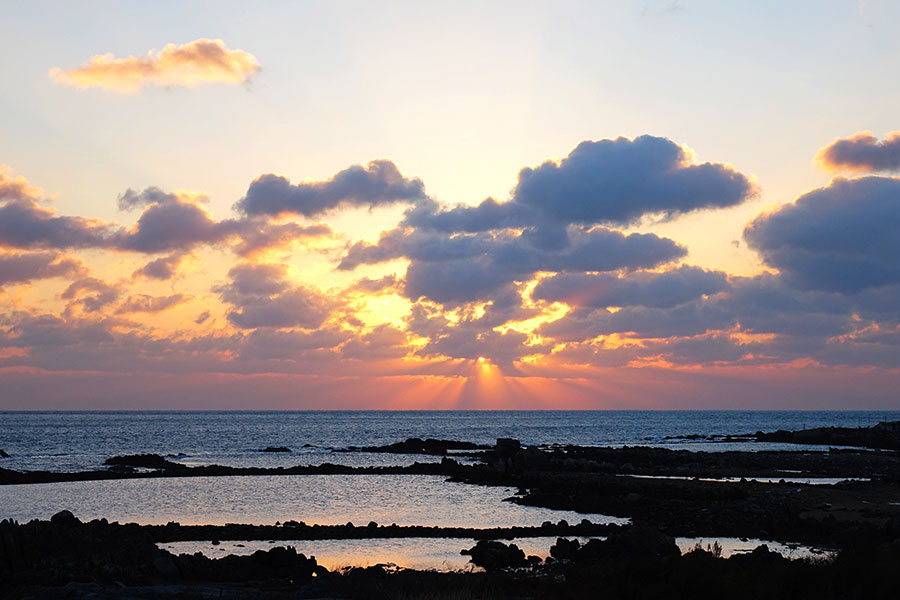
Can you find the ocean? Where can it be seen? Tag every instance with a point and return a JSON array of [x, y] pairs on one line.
[[71, 441]]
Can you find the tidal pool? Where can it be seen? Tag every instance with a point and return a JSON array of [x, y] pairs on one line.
[[314, 499]]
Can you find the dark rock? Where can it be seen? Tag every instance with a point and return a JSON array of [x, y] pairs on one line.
[[642, 541], [165, 567], [491, 555], [275, 449], [3, 454], [507, 446], [564, 549], [65, 518], [419, 446]]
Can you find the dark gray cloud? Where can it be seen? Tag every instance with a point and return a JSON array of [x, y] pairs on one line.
[[619, 181], [169, 223], [27, 225], [656, 290], [470, 267], [862, 152], [844, 237], [378, 183], [163, 268], [19, 268]]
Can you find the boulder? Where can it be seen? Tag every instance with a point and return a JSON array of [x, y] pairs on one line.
[[492, 555]]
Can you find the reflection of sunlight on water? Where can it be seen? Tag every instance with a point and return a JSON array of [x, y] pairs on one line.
[[443, 554], [440, 554], [323, 499]]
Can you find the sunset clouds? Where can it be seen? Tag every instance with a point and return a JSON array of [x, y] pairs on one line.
[[195, 63], [552, 279]]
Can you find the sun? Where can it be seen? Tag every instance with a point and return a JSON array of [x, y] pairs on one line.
[[482, 359]]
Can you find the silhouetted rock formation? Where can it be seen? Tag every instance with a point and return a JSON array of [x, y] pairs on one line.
[[3, 454], [66, 550], [275, 449], [418, 446], [885, 435]]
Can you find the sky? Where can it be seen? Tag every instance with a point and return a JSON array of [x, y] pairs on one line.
[[421, 205]]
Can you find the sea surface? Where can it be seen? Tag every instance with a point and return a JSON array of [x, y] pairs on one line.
[[71, 441]]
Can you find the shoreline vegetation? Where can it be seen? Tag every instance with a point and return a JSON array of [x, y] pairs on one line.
[[665, 494]]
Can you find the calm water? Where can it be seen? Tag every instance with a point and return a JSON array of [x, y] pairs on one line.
[[83, 440], [322, 499]]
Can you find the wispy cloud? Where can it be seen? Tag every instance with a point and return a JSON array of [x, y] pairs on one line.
[[188, 65]]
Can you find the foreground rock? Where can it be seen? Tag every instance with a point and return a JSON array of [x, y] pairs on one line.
[[491, 554], [66, 550]]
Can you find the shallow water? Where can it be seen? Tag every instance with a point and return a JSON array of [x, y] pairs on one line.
[[314, 499], [443, 554]]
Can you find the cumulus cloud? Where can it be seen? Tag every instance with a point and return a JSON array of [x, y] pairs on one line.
[[844, 237], [377, 184], [861, 153], [19, 268], [195, 63], [609, 181]]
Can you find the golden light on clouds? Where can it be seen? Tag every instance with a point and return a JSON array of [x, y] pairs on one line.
[[195, 63]]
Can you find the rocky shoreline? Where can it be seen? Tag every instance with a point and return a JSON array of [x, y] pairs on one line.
[[665, 493]]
